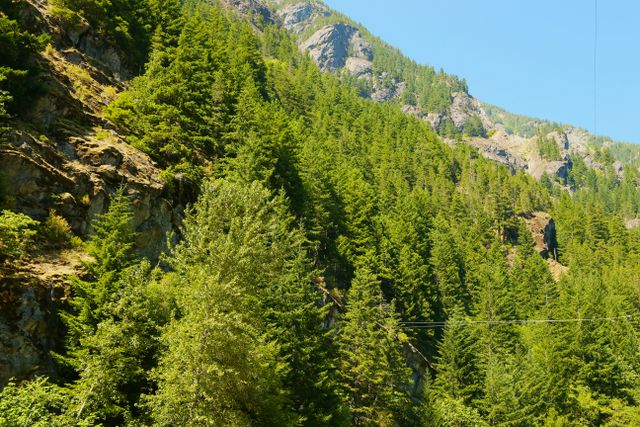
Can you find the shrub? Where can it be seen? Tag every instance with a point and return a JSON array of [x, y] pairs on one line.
[[32, 403], [57, 229], [16, 233]]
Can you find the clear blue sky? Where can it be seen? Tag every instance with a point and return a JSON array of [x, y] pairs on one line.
[[532, 57]]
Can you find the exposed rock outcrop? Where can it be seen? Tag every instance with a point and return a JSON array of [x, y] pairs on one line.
[[259, 13], [341, 46], [29, 329], [359, 67], [543, 231], [29, 326], [332, 45], [383, 92], [297, 17], [68, 158], [464, 106]]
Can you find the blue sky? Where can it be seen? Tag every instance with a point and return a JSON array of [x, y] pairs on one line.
[[532, 57]]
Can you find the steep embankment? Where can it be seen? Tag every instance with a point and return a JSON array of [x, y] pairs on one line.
[[61, 155]]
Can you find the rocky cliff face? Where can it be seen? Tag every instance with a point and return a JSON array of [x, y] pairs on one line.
[[69, 158], [543, 230], [335, 46], [298, 17], [256, 10], [65, 156]]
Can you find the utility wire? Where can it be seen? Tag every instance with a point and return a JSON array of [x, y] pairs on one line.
[[412, 347], [595, 69], [432, 325]]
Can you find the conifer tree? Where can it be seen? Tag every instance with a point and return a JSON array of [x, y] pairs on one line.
[[248, 345], [534, 287], [373, 371], [111, 248], [459, 375], [447, 268]]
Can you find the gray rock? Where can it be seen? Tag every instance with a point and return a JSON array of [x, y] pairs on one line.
[[501, 155], [329, 46], [332, 45], [359, 67], [360, 48], [254, 8], [296, 13], [434, 119], [464, 106], [28, 329], [558, 168], [299, 16], [383, 94], [543, 230]]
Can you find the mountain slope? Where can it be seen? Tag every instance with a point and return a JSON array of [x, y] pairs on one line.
[[342, 264], [337, 43], [60, 158]]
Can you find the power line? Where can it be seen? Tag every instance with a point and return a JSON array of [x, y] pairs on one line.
[[595, 69], [442, 324]]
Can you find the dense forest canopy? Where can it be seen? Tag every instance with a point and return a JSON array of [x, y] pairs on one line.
[[342, 265]]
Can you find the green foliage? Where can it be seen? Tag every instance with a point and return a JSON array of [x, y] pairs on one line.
[[56, 229], [427, 88], [127, 24], [453, 413], [5, 98], [244, 285], [17, 232], [110, 247], [459, 374], [372, 370], [326, 225], [35, 403], [474, 127], [447, 128], [114, 371], [548, 148], [447, 268], [113, 237], [519, 125], [18, 71], [178, 111]]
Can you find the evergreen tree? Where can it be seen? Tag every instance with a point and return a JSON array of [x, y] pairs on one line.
[[473, 127], [530, 276], [373, 371], [447, 268], [111, 248], [248, 340], [459, 375]]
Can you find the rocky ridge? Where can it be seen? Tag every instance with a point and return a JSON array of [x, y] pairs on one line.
[[339, 46]]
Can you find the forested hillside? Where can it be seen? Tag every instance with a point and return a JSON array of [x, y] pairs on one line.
[[341, 264]]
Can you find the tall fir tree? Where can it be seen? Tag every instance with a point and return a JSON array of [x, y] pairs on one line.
[[373, 371]]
